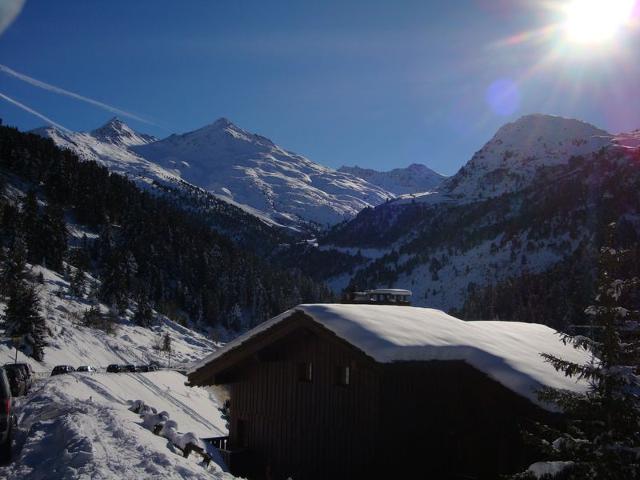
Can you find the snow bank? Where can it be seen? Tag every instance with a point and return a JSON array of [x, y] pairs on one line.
[[75, 429], [548, 469], [509, 352]]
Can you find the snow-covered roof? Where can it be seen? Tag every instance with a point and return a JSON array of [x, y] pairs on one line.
[[508, 352]]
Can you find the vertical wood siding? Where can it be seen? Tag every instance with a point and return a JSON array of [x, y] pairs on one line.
[[308, 430]]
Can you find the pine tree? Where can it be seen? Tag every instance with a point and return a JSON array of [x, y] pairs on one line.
[[53, 236], [77, 284], [14, 270], [31, 227], [601, 439], [143, 315], [23, 318]]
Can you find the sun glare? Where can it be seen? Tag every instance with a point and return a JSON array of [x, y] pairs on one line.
[[596, 21]]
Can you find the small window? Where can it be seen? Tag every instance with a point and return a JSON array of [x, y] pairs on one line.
[[305, 372], [343, 375]]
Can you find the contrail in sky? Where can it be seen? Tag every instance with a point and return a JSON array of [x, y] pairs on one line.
[[61, 91], [32, 112]]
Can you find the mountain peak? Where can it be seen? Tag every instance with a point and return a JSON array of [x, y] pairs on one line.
[[415, 178], [115, 131], [518, 150], [222, 122], [548, 126]]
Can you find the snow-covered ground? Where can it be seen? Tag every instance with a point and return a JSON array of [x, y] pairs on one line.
[[79, 426], [71, 343]]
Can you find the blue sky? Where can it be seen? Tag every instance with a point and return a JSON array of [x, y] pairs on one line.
[[373, 83]]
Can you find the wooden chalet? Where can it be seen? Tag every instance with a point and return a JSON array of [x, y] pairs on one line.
[[372, 391]]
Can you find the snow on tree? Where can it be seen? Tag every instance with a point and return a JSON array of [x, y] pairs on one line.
[[600, 438]]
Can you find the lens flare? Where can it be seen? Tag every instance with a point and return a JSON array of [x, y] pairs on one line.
[[596, 21], [503, 96]]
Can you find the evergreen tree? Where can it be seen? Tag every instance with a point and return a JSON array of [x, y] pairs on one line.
[[31, 227], [601, 439], [92, 317], [14, 270], [77, 284], [117, 278], [143, 315], [23, 318], [52, 236]]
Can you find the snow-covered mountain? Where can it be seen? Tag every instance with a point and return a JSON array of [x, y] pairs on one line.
[[629, 140], [242, 168], [413, 179], [250, 169], [512, 158], [110, 145], [116, 132], [532, 201]]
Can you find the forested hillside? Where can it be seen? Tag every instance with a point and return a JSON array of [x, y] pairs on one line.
[[145, 251], [526, 255]]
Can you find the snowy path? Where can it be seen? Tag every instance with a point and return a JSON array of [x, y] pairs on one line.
[[79, 427]]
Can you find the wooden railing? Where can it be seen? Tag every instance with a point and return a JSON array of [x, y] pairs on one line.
[[237, 460], [220, 443]]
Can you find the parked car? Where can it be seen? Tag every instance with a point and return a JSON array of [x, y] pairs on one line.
[[129, 368], [7, 418], [142, 368], [153, 368], [86, 368], [20, 378], [114, 368], [60, 369]]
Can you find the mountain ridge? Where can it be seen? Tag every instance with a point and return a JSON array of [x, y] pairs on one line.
[[415, 178], [245, 169]]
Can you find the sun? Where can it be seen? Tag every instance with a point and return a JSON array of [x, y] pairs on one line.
[[596, 21]]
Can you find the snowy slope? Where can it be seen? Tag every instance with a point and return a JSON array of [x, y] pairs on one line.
[[511, 159], [110, 146], [415, 178], [509, 210], [246, 169], [252, 170], [70, 343], [630, 140], [79, 426]]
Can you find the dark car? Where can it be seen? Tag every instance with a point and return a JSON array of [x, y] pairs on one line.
[[7, 419], [114, 368], [129, 368], [20, 378], [60, 369], [142, 368]]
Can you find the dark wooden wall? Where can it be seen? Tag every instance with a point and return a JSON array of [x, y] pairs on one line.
[[452, 421], [434, 420], [313, 430]]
